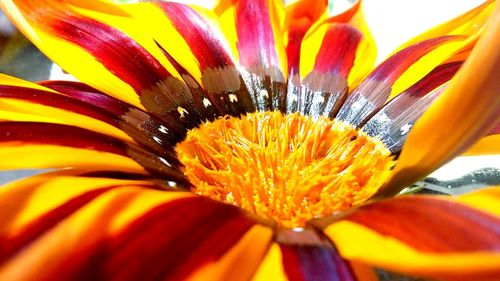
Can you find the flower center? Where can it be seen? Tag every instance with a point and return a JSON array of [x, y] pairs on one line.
[[289, 168]]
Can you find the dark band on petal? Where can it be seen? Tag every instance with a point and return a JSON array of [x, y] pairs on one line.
[[393, 122], [373, 92], [56, 134], [309, 256], [432, 225], [58, 101], [338, 50], [116, 51], [10, 245], [199, 35], [168, 242]]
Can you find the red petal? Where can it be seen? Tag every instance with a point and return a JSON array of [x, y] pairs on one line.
[[393, 122], [338, 50], [26, 133], [432, 225], [373, 92], [308, 256], [169, 242]]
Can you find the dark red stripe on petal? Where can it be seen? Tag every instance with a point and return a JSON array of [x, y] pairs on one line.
[[303, 262], [256, 44], [393, 122], [10, 245], [168, 242], [89, 95], [58, 101], [438, 76], [116, 51], [199, 34], [308, 255], [300, 17], [164, 163], [56, 134], [394, 66], [143, 127], [338, 50], [296, 34], [432, 225], [373, 92]]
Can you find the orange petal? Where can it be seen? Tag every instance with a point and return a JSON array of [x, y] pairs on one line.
[[372, 93], [489, 144], [33, 206], [301, 255], [97, 45], [24, 101], [36, 143], [138, 234], [467, 110], [442, 240]]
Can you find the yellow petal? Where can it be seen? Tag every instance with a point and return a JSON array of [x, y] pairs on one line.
[[399, 235], [96, 67], [53, 156], [271, 267], [14, 109], [463, 113]]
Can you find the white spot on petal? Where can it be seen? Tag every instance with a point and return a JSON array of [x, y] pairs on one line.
[[405, 129], [165, 162], [182, 111], [172, 183], [264, 93], [158, 140], [233, 98], [206, 102], [163, 129]]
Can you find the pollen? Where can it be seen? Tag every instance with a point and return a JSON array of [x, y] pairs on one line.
[[289, 168]]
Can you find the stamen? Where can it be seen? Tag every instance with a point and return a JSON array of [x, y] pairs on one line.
[[289, 168]]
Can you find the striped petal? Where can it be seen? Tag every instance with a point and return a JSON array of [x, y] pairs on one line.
[[300, 16], [469, 25], [466, 24], [25, 101], [96, 44], [371, 94], [256, 26], [465, 112], [443, 239], [323, 90], [134, 233], [393, 122], [225, 89], [33, 206], [145, 128], [305, 255], [46, 145]]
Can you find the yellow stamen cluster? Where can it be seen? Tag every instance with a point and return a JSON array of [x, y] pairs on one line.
[[288, 168]]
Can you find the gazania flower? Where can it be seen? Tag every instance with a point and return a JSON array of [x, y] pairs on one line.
[[254, 141]]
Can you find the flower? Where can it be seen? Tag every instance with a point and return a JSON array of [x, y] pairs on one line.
[[284, 118]]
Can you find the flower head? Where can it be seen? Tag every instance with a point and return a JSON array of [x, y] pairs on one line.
[[254, 140]]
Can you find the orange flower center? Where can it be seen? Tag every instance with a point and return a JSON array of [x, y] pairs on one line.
[[289, 168]]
